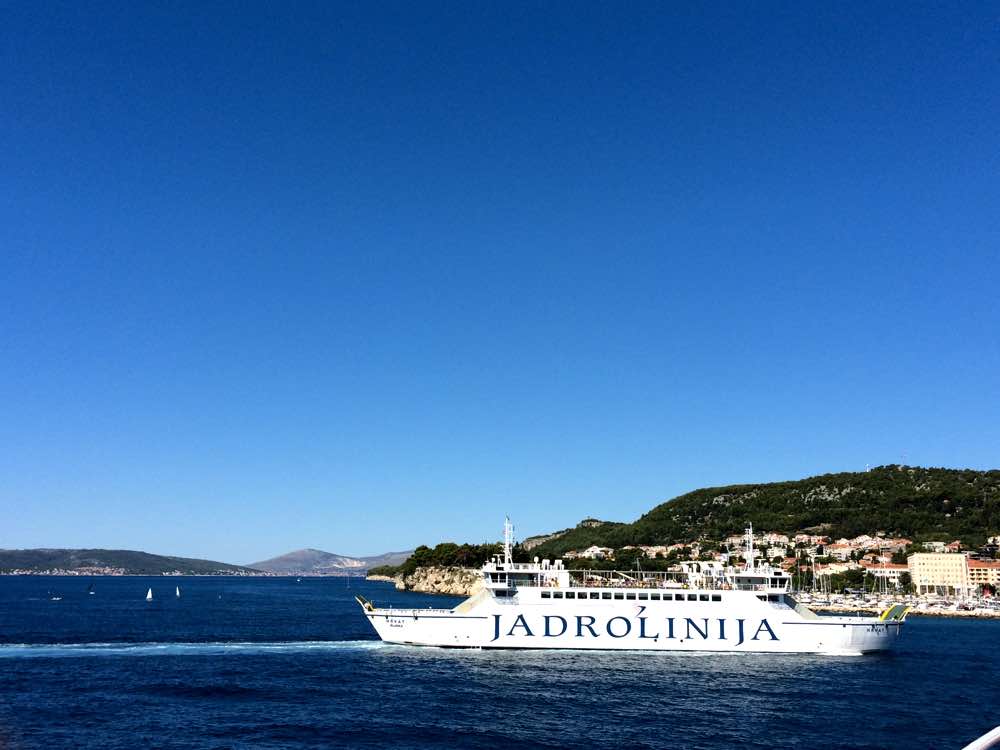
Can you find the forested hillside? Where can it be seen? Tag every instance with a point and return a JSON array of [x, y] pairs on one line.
[[898, 500]]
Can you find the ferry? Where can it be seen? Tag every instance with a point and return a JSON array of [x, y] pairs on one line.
[[703, 606]]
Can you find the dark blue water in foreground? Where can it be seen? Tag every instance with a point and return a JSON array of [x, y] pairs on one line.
[[271, 663]]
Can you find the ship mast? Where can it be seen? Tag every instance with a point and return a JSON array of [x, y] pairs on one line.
[[508, 541], [749, 548]]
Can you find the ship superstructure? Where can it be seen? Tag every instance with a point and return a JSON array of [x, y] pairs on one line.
[[703, 606]]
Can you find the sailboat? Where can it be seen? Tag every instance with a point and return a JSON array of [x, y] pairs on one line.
[[178, 590], [90, 589], [149, 595]]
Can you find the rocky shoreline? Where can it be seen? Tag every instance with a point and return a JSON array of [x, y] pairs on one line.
[[437, 580]]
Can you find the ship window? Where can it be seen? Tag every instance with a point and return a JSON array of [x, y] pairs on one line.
[[703, 597], [773, 598], [606, 595], [571, 595], [692, 597], [655, 597], [644, 596], [546, 595], [557, 594], [619, 596], [668, 597], [762, 597], [594, 595], [630, 596], [716, 597]]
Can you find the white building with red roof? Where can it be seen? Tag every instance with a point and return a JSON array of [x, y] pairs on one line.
[[885, 571]]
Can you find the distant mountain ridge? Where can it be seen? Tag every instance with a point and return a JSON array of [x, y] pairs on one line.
[[317, 562], [112, 561]]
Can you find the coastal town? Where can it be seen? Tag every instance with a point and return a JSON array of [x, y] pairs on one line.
[[101, 570], [863, 573]]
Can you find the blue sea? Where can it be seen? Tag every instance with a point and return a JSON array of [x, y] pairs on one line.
[[275, 663]]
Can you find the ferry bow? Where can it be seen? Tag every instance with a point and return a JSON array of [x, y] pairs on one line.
[[705, 606]]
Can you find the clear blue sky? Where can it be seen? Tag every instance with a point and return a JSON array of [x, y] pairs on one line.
[[365, 276]]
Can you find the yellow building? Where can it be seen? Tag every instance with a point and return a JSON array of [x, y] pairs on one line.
[[981, 572], [939, 573]]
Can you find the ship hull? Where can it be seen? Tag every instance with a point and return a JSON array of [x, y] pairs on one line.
[[660, 627]]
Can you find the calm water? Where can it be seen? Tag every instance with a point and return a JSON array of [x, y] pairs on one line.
[[271, 663]]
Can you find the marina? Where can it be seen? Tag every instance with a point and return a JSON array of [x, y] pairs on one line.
[[918, 605]]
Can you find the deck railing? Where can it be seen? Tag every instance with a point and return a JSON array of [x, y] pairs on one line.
[[636, 579]]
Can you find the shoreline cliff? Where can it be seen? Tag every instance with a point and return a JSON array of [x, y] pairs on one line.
[[450, 581]]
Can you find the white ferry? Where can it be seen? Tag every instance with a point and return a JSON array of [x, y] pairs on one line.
[[705, 606]]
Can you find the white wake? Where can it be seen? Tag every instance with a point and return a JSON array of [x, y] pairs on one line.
[[164, 648]]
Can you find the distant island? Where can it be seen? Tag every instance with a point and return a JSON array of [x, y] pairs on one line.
[[120, 562], [111, 562]]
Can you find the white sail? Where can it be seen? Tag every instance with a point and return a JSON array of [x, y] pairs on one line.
[[149, 595], [178, 592]]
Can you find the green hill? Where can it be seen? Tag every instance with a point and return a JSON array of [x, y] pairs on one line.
[[907, 501], [121, 560]]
